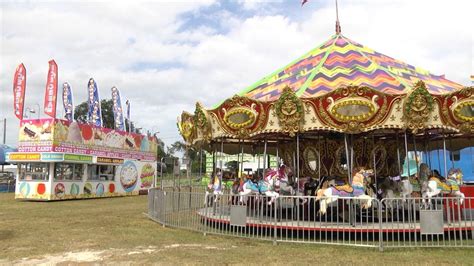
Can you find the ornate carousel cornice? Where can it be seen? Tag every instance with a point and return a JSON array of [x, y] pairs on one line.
[[289, 110], [458, 108], [418, 106], [351, 109], [186, 127], [240, 117]]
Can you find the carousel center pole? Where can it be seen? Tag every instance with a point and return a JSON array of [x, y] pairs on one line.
[[319, 158], [444, 156], [351, 146], [375, 162], [222, 162], [242, 159], [297, 161], [200, 162], [238, 158], [416, 154], [427, 150], [214, 163], [347, 159], [451, 155], [398, 154], [439, 159], [258, 160], [264, 156], [407, 160], [278, 153]]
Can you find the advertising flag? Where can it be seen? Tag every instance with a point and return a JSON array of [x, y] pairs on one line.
[[128, 115], [118, 111], [19, 87], [67, 102], [94, 115], [50, 94]]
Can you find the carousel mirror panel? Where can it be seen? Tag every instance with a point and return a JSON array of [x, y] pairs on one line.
[[312, 160]]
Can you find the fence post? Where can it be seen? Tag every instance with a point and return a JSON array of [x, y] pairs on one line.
[[276, 206], [163, 222], [379, 214], [205, 215]]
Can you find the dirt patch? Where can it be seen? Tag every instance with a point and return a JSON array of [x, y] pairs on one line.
[[108, 255], [81, 256]]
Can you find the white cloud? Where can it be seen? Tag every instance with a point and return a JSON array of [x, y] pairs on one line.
[[164, 67]]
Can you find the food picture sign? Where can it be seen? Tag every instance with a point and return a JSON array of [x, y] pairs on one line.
[[128, 176], [37, 132], [146, 176], [47, 135]]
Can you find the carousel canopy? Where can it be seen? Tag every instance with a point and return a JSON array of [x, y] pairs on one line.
[[340, 86], [341, 62]]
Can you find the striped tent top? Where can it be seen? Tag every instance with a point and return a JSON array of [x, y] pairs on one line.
[[341, 62]]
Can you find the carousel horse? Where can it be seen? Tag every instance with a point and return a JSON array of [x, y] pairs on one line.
[[283, 175], [450, 186], [356, 189], [304, 184], [413, 180], [266, 186], [311, 186], [298, 189], [215, 187], [392, 188]]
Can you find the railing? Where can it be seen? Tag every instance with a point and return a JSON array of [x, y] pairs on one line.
[[387, 223]]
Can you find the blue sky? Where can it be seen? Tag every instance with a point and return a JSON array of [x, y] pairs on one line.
[[164, 56]]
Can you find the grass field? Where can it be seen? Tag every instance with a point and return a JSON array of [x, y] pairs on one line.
[[115, 230]]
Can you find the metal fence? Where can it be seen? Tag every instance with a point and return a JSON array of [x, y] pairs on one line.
[[387, 223]]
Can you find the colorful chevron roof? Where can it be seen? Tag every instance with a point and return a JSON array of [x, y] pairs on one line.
[[341, 62]]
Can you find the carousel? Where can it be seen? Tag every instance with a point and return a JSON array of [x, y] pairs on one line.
[[347, 115]]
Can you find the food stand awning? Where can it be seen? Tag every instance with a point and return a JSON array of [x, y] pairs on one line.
[[3, 150]]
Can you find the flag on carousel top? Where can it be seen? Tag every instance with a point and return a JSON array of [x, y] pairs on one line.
[[118, 111], [303, 2], [19, 87], [94, 114], [67, 102], [51, 91]]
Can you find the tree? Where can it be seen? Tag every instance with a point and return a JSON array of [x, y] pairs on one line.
[[80, 115], [192, 153]]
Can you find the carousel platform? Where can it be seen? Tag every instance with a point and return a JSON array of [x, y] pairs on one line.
[[362, 224]]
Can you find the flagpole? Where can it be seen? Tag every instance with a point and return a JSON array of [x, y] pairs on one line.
[[338, 25]]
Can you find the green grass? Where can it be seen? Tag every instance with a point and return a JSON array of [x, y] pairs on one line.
[[118, 228]]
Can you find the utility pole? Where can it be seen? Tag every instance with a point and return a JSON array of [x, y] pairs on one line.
[[4, 136], [4, 130]]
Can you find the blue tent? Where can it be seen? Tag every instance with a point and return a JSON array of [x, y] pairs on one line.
[[3, 150]]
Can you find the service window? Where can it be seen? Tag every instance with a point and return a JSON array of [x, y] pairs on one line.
[[68, 171], [101, 172], [78, 171], [106, 172], [33, 171]]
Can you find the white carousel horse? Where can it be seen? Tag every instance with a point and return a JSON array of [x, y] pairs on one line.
[[450, 187], [299, 190], [409, 184], [357, 190], [394, 187], [215, 188], [267, 186]]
